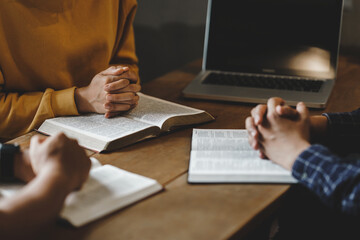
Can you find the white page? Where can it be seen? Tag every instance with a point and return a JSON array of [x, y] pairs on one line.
[[107, 189], [98, 126], [233, 162], [156, 111], [225, 156], [93, 131]]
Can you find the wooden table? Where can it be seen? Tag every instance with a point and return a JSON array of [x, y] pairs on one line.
[[184, 211]]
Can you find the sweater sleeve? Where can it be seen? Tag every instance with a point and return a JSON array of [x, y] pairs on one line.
[[124, 49], [22, 112], [335, 180]]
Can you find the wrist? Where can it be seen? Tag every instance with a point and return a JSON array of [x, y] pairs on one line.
[[7, 156], [51, 187], [297, 149], [81, 99]]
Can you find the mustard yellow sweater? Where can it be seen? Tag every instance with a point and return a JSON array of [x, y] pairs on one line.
[[47, 47]]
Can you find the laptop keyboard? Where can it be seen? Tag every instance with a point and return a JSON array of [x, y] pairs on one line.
[[260, 81]]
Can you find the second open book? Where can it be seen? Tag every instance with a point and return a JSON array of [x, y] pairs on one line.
[[151, 117], [107, 189], [225, 156]]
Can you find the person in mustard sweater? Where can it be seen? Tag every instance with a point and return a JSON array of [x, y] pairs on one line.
[[64, 57]]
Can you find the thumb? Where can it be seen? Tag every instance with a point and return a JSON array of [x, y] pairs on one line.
[[35, 142], [37, 139], [115, 70], [302, 110]]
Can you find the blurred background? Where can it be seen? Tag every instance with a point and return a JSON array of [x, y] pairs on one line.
[[170, 33]]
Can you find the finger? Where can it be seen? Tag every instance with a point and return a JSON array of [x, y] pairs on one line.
[[36, 142], [37, 139], [303, 111], [127, 97], [116, 85], [250, 126], [130, 88], [131, 76], [112, 78], [258, 113], [131, 103], [260, 143], [57, 140], [115, 70], [271, 105], [253, 143], [117, 107], [74, 142], [121, 111], [273, 102], [287, 111], [262, 154], [127, 102], [59, 135], [253, 133], [113, 114]]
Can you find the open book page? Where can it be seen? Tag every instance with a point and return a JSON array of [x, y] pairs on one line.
[[107, 189], [156, 111], [100, 127], [94, 130], [226, 156]]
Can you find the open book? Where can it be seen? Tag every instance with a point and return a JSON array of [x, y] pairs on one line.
[[220, 156], [107, 189], [151, 117]]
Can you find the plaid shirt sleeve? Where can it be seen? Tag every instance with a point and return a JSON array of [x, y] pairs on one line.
[[335, 180]]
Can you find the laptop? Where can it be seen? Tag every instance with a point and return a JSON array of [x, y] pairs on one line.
[[257, 49]]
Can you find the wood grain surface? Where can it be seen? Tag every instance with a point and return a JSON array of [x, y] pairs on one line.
[[182, 210]]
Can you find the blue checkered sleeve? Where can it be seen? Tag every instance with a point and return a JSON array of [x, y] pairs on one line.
[[335, 180]]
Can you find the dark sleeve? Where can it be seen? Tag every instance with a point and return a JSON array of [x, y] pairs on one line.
[[1, 169], [344, 131], [335, 180]]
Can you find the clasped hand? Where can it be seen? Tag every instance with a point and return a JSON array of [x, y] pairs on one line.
[[110, 92], [58, 156], [278, 131]]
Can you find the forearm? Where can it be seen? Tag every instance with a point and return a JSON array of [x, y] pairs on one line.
[[344, 124], [343, 131], [81, 99], [21, 113], [334, 180], [36, 205]]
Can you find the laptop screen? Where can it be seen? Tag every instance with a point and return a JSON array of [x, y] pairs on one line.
[[282, 37]]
